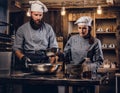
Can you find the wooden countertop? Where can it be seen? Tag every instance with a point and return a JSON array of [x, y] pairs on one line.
[[25, 78]]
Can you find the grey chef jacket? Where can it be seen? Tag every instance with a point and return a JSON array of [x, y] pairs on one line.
[[29, 39], [78, 46]]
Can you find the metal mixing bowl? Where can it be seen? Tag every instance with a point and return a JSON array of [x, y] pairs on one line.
[[44, 68]]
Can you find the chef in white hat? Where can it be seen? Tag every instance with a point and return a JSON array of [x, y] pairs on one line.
[[35, 36], [38, 6], [84, 45], [84, 21], [31, 42]]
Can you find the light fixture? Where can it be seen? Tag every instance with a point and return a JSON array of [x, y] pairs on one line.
[[28, 12], [99, 10], [63, 11], [110, 2]]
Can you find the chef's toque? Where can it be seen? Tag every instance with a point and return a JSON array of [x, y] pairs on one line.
[[85, 20], [38, 6]]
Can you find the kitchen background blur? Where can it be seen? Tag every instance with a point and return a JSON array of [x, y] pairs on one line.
[[61, 15]]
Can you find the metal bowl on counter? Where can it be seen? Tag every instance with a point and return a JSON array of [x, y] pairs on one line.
[[44, 68]]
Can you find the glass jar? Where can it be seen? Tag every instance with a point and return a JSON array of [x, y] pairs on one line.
[[89, 69]]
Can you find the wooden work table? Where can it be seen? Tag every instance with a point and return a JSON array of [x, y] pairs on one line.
[[26, 78]]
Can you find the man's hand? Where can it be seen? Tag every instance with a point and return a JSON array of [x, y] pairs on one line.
[[26, 60]]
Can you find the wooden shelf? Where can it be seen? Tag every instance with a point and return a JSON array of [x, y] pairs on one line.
[[105, 18], [105, 32], [108, 48]]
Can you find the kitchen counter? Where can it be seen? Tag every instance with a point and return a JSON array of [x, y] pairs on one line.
[[28, 78], [48, 79]]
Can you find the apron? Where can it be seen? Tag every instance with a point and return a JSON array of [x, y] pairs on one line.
[[38, 56]]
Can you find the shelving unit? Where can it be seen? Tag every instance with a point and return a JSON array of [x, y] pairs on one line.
[[105, 27], [105, 32]]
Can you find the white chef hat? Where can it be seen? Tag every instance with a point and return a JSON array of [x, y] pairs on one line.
[[85, 20], [38, 6]]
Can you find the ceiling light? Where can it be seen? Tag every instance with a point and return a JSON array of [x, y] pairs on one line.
[[63, 11], [28, 12], [99, 10], [110, 2]]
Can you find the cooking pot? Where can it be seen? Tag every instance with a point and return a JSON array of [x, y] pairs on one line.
[[44, 68], [74, 70]]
